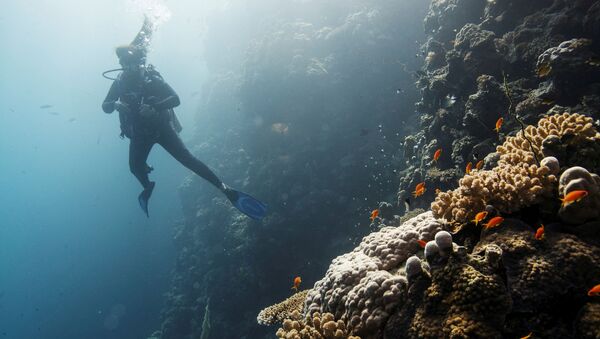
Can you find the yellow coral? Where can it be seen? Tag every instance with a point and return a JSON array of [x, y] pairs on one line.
[[283, 310], [316, 326], [517, 180]]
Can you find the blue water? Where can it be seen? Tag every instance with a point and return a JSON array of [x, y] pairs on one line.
[[78, 258]]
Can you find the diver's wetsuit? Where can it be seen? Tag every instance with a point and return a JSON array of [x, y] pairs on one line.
[[150, 88]]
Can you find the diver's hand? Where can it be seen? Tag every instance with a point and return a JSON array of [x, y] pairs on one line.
[[147, 111], [151, 100], [121, 107]]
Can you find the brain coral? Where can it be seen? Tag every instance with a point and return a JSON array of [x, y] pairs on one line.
[[362, 286], [517, 180], [283, 310]]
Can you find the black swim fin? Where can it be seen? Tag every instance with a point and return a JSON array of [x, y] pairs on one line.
[[145, 196], [245, 203]]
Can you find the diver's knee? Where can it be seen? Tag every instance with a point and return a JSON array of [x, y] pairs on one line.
[[136, 168]]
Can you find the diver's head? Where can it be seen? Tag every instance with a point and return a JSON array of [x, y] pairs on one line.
[[131, 58]]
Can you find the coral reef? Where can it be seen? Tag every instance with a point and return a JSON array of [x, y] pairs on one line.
[[316, 326], [517, 180], [283, 310], [578, 178], [509, 285], [547, 279], [363, 286], [545, 50]]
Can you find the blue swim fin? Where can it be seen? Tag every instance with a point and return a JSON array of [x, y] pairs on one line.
[[248, 205], [145, 196]]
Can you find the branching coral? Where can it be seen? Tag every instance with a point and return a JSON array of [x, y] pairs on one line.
[[314, 327], [516, 181], [283, 310]]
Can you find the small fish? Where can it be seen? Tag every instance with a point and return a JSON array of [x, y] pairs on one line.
[[280, 128], [45, 106], [420, 185], [399, 90], [469, 168], [449, 100], [422, 243], [479, 165], [374, 214], [547, 101], [53, 113], [539, 234], [573, 196], [419, 192], [479, 217], [527, 336], [593, 62], [498, 124], [297, 281], [72, 119], [544, 70], [494, 222], [437, 154], [594, 291]]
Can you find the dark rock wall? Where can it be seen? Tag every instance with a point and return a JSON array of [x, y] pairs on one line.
[[311, 123]]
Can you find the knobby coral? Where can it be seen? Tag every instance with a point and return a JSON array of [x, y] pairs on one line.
[[363, 286], [316, 326], [578, 178]]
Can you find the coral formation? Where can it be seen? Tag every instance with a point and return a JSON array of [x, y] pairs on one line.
[[364, 285], [279, 312], [547, 279], [316, 326], [517, 181], [578, 178]]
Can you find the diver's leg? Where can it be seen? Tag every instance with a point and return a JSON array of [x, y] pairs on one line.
[[171, 142], [139, 148]]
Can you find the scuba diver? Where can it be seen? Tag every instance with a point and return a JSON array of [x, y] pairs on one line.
[[145, 104]]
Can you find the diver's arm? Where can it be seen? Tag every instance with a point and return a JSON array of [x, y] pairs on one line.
[[171, 99], [108, 106]]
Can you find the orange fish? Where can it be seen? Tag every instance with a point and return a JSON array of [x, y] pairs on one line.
[[437, 154], [594, 291], [539, 234], [297, 281], [479, 216], [499, 124], [419, 186], [419, 192], [422, 243], [495, 221], [527, 336], [469, 168], [573, 196], [374, 214], [479, 165]]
